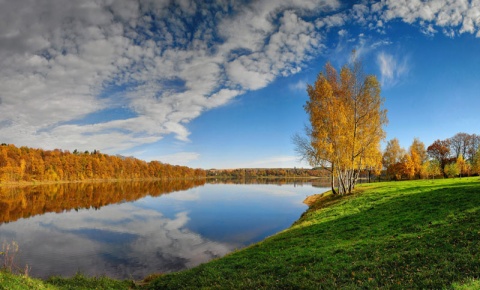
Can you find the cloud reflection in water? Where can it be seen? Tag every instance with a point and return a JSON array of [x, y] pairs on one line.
[[155, 234]]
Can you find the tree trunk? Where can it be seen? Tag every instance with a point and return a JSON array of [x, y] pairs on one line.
[[332, 182]]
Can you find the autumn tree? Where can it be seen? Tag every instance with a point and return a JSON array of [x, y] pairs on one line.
[[451, 170], [440, 151], [476, 162], [407, 166], [418, 155], [346, 124], [431, 168], [463, 166], [392, 158]]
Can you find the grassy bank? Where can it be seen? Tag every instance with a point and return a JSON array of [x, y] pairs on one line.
[[412, 234], [10, 281]]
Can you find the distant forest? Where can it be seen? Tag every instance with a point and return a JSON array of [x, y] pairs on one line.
[[28, 164], [24, 164]]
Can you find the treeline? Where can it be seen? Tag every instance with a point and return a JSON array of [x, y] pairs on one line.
[[455, 156], [267, 172], [23, 202], [29, 164]]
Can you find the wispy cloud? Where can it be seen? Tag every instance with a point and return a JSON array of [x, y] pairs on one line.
[[300, 85], [392, 69]]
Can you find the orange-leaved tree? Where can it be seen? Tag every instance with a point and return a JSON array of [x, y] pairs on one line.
[[346, 124], [392, 159], [418, 154]]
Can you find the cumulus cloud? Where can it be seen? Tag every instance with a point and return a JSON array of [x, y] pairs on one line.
[[453, 16], [164, 61]]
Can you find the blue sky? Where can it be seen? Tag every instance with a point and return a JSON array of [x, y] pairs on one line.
[[221, 84]]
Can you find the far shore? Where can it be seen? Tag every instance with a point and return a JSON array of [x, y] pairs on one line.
[[48, 182]]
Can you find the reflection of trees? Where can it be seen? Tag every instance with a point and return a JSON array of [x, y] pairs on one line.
[[318, 182], [267, 173], [23, 202]]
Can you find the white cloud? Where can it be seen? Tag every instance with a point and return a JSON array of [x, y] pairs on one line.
[[392, 69], [460, 16], [249, 79], [61, 59], [300, 85], [428, 30], [64, 61]]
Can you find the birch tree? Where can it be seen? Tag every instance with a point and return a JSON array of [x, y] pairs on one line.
[[346, 124]]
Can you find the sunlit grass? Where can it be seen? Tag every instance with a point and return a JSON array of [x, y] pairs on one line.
[[20, 282], [10, 281]]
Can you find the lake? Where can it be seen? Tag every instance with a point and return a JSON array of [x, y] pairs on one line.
[[128, 230]]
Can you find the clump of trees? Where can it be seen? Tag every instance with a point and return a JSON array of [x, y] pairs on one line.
[[29, 164], [346, 125], [455, 156]]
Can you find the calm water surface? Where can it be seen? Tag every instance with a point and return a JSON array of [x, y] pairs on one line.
[[130, 230]]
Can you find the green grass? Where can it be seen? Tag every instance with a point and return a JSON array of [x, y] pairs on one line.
[[396, 235], [19, 282], [78, 282]]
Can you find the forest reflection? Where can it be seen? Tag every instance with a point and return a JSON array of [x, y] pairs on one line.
[[27, 201], [315, 182]]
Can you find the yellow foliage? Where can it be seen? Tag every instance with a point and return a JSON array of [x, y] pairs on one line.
[[347, 120], [408, 166], [418, 154]]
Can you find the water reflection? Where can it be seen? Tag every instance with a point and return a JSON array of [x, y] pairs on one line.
[[319, 182], [27, 201], [156, 233]]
